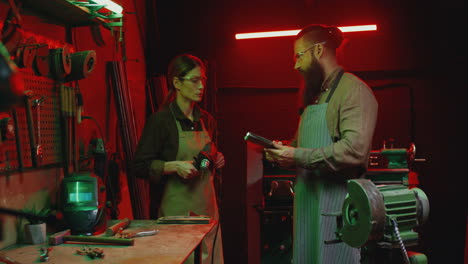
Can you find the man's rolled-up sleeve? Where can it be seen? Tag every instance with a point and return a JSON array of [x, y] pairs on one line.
[[357, 119]]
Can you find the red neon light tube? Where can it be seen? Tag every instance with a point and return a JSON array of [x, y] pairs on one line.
[[285, 33]]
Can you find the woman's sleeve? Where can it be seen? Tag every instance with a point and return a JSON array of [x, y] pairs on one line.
[[212, 128], [148, 162]]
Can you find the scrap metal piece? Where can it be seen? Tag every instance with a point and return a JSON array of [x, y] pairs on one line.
[[121, 234], [145, 233]]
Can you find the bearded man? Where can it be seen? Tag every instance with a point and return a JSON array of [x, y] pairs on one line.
[[332, 144]]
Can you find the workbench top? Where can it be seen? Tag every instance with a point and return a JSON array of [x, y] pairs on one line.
[[172, 245]]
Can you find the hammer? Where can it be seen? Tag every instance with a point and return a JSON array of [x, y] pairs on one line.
[[111, 230], [62, 237]]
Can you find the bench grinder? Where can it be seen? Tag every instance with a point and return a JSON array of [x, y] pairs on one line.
[[381, 220]]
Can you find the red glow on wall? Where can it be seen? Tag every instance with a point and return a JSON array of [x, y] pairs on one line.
[[285, 33]]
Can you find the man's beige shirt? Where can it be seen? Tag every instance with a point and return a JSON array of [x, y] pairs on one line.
[[351, 118]]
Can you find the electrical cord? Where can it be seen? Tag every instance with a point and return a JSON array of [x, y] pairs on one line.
[[98, 126], [106, 163], [400, 241]]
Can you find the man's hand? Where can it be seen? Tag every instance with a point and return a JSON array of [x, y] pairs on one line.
[[281, 155]]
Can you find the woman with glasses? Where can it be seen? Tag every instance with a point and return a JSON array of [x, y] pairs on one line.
[[177, 151]]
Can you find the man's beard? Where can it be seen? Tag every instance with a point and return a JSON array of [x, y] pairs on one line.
[[313, 79]]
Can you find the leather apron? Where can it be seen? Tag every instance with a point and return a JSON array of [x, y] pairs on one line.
[[196, 195], [318, 193]]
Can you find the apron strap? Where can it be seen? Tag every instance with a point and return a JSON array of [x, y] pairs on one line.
[[335, 84]]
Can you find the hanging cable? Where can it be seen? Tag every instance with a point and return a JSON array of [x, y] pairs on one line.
[[400, 242]]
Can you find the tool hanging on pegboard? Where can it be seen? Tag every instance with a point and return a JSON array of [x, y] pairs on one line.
[[52, 63], [67, 99], [68, 108], [18, 140], [60, 62], [26, 53], [40, 64], [39, 148], [31, 130], [83, 64], [34, 128]]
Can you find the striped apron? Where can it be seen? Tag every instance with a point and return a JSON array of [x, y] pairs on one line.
[[196, 195], [316, 195]]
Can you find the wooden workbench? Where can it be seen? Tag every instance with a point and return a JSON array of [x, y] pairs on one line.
[[172, 245]]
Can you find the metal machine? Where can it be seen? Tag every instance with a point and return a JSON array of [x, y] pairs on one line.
[[393, 166], [276, 214], [381, 214], [381, 220]]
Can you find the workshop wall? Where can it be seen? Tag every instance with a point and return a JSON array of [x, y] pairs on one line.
[[34, 188], [38, 188]]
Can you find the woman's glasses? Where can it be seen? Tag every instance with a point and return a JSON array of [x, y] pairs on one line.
[[194, 80]]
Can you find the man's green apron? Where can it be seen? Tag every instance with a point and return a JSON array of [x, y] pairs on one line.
[[197, 194], [315, 194]]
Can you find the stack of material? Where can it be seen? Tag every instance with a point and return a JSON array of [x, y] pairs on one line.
[[139, 188]]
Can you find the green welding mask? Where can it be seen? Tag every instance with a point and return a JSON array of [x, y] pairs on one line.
[[82, 210]]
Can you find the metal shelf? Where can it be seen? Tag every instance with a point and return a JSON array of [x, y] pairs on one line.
[[60, 12]]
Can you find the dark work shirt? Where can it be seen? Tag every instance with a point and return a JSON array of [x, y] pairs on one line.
[[159, 140]]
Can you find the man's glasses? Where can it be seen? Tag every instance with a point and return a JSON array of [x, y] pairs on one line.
[[301, 53], [194, 80]]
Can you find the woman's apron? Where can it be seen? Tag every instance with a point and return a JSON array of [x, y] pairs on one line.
[[316, 195], [195, 195]]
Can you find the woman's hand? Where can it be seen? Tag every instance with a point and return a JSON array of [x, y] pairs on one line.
[[184, 169], [219, 162]]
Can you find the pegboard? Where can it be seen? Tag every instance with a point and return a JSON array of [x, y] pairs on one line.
[[48, 127], [46, 123]]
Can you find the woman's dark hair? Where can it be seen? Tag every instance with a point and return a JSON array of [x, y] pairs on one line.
[[320, 33], [179, 67]]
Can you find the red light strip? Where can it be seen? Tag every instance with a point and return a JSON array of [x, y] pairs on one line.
[[285, 33]]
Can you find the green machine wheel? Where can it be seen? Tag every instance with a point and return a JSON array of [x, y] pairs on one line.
[[363, 213], [373, 213]]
